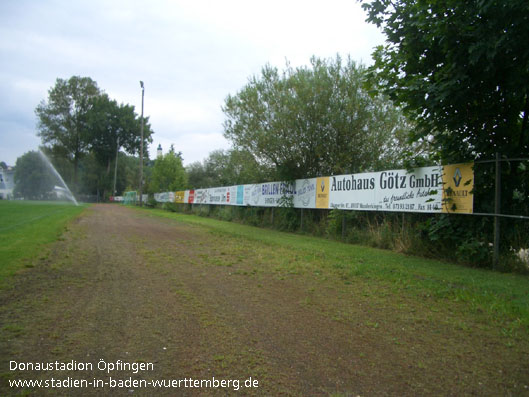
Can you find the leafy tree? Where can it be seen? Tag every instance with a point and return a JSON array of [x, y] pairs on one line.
[[239, 166], [112, 126], [461, 71], [197, 176], [316, 120], [226, 168], [62, 120], [97, 182], [168, 174], [78, 120], [128, 171], [33, 178]]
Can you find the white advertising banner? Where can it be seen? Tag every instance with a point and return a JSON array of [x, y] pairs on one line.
[[271, 194], [396, 190], [305, 193], [165, 197], [218, 195], [201, 196]]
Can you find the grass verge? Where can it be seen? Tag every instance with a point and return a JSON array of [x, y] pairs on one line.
[[505, 297], [26, 227]]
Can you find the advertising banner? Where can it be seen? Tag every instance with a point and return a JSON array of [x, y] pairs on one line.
[[218, 195], [247, 194], [240, 195], [395, 190], [165, 197], [322, 192], [179, 197], [458, 186], [189, 197], [221, 195], [271, 194], [231, 195], [428, 189], [305, 193], [201, 196]]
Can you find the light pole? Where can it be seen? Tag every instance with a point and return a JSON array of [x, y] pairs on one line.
[[141, 145], [116, 168]]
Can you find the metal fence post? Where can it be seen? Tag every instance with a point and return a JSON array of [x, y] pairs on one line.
[[497, 205], [343, 225]]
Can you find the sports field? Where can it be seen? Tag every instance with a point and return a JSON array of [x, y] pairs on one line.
[[26, 227], [175, 304]]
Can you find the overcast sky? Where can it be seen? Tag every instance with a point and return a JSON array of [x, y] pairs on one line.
[[190, 54]]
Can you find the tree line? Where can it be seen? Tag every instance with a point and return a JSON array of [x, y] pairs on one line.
[[314, 120], [83, 131]]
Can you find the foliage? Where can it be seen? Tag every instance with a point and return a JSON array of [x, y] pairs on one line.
[[114, 126], [226, 168], [33, 179], [461, 71], [62, 120], [316, 120], [168, 174], [197, 176], [94, 180], [83, 131]]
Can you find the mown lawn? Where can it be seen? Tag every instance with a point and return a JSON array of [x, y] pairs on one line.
[[26, 228]]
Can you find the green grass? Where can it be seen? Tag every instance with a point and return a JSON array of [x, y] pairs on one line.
[[26, 227], [504, 296]]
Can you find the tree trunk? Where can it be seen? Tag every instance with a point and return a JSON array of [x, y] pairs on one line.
[[75, 167]]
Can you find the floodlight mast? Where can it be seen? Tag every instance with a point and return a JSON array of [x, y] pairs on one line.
[[141, 145]]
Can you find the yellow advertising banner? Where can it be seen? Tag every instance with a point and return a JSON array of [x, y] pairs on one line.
[[322, 192], [458, 188], [179, 196]]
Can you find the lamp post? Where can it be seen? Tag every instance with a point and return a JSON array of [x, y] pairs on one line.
[[116, 168], [141, 145]]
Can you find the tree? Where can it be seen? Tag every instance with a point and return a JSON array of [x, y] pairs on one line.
[[461, 71], [197, 176], [316, 120], [168, 174], [112, 125], [97, 182], [33, 179], [62, 120], [239, 166], [226, 168]]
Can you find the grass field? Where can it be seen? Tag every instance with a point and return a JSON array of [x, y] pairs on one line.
[[26, 227], [505, 297]]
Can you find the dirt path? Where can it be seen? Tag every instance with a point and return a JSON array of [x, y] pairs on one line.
[[190, 304]]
